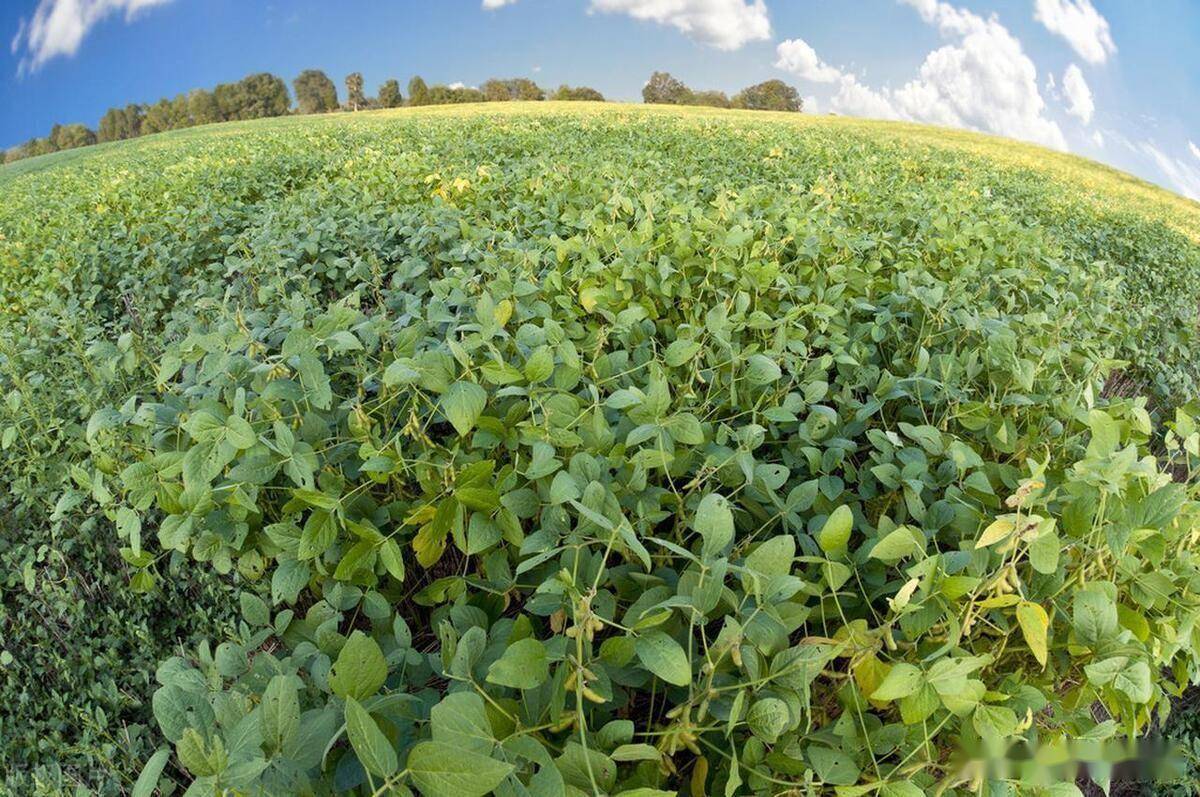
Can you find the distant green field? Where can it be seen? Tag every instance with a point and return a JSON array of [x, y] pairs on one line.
[[1101, 183], [589, 449]]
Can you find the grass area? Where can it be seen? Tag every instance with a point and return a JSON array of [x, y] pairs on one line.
[[587, 448]]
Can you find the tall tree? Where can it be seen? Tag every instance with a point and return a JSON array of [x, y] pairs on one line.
[[203, 108], [355, 98], [253, 97], [268, 96], [565, 92], [665, 89], [158, 118], [38, 146], [418, 92], [517, 88], [118, 124], [181, 112], [315, 92], [71, 136], [389, 94], [229, 100], [453, 95], [770, 95], [713, 99]]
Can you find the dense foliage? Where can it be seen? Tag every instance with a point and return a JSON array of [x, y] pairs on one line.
[[264, 95], [315, 92], [603, 452], [663, 88]]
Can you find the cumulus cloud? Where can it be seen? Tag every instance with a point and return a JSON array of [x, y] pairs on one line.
[[981, 80], [852, 97], [857, 99], [58, 27], [1079, 97], [1098, 139], [490, 4], [1183, 176], [1194, 149], [724, 24], [798, 57], [1080, 24]]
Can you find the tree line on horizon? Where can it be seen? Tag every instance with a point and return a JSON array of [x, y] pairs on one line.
[[263, 95], [771, 95]]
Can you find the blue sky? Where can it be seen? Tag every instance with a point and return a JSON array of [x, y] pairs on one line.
[[1114, 80]]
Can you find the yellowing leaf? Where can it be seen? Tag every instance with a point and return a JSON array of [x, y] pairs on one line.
[[997, 531], [587, 298], [1034, 625]]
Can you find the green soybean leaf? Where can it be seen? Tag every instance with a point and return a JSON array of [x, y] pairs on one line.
[[462, 405], [147, 781], [768, 718], [360, 668], [680, 352], [901, 681], [443, 770], [833, 767], [254, 609], [540, 365], [762, 370], [523, 665], [280, 712], [1094, 617], [900, 543], [373, 749], [714, 523], [460, 720], [664, 657], [239, 432]]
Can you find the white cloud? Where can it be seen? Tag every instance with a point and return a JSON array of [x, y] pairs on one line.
[[724, 24], [950, 21], [852, 97], [856, 99], [1098, 139], [58, 27], [1184, 177], [1080, 24], [1079, 97], [1194, 149], [982, 80], [1051, 85], [16, 40], [798, 57], [811, 104]]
